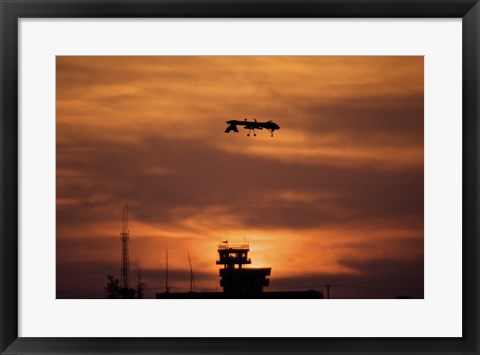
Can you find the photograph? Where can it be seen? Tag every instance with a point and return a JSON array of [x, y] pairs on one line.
[[239, 177]]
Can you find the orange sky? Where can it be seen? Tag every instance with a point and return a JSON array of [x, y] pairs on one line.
[[336, 196]]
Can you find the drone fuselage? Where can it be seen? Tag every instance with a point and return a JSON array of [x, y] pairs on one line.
[[252, 126]]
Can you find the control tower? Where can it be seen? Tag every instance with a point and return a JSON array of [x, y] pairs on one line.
[[236, 280]]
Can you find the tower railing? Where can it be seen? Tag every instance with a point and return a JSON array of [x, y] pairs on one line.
[[233, 246]]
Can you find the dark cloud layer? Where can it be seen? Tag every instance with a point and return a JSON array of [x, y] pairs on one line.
[[376, 278], [242, 185]]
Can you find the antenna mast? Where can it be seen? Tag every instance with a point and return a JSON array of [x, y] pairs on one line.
[[192, 279], [167, 289], [125, 238]]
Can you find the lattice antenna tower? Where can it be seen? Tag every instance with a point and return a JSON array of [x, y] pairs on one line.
[[125, 238]]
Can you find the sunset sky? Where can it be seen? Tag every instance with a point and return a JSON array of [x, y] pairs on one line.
[[336, 196]]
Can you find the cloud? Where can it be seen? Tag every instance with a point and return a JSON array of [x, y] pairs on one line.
[[376, 278], [230, 184]]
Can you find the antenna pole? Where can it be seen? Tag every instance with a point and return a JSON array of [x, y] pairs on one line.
[[125, 238], [167, 289], [328, 290], [192, 279]]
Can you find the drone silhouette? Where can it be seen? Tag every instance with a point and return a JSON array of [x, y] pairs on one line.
[[252, 126]]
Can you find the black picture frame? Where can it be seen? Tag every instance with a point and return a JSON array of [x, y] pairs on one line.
[[12, 10]]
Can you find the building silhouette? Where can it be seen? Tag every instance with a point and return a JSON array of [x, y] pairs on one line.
[[235, 278]]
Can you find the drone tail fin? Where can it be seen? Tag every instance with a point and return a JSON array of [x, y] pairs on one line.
[[232, 127]]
